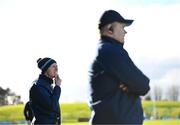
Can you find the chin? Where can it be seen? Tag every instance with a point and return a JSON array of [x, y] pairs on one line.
[[52, 77]]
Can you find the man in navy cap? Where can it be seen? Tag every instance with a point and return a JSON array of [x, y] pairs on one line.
[[115, 81]]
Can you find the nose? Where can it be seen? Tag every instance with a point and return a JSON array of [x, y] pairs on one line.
[[125, 32]]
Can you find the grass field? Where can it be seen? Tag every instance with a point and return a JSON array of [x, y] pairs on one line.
[[161, 122], [147, 122], [164, 109], [71, 112], [11, 113], [79, 123]]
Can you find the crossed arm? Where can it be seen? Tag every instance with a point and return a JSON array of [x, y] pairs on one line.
[[118, 63]]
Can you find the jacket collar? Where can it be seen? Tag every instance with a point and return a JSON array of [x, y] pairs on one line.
[[44, 80], [111, 40]]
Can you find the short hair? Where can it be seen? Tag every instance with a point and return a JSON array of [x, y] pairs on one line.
[[106, 28]]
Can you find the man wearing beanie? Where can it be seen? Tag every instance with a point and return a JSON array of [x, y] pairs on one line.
[[44, 99], [115, 81]]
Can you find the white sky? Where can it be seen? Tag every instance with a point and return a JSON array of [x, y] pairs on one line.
[[66, 30]]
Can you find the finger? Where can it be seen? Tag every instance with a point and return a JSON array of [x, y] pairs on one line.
[[124, 88], [121, 86]]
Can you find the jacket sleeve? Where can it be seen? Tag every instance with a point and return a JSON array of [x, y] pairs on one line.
[[47, 101], [117, 62]]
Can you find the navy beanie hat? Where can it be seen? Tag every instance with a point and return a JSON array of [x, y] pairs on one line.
[[111, 16], [44, 63]]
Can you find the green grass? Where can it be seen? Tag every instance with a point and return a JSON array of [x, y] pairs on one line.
[[146, 122], [163, 108], [161, 122], [11, 113], [72, 111], [166, 104], [79, 123]]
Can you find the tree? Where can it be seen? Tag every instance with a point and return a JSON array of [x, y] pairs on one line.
[[173, 93], [3, 95], [8, 97], [158, 92]]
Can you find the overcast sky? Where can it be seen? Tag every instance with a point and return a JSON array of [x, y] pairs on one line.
[[66, 30]]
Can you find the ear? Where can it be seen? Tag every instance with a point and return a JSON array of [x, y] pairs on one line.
[[110, 29]]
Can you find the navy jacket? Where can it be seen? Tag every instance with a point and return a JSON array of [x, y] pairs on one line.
[[111, 67], [45, 101]]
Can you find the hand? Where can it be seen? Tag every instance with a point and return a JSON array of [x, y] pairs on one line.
[[57, 80], [123, 87]]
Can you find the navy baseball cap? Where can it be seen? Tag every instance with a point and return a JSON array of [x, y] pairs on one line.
[[111, 16]]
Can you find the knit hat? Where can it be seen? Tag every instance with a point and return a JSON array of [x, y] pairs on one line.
[[111, 16], [44, 63]]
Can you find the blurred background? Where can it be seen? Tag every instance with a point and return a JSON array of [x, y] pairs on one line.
[[67, 31]]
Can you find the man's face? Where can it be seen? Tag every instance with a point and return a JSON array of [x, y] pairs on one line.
[[119, 32]]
